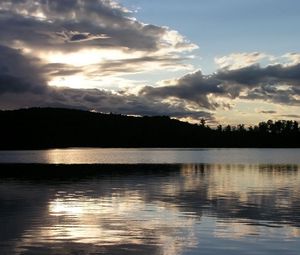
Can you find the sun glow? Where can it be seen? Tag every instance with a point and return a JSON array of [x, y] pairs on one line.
[[87, 57], [72, 81], [89, 64], [82, 81]]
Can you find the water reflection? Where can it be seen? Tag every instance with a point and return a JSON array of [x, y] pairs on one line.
[[153, 156], [189, 209]]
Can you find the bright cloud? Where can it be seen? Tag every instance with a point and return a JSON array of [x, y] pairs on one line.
[[240, 60], [88, 54], [85, 33]]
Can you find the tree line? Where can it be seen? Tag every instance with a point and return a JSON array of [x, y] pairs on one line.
[[38, 128], [270, 126]]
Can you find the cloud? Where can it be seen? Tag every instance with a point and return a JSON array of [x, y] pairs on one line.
[[59, 69], [240, 60], [293, 116], [256, 75], [101, 101], [101, 36], [268, 112], [138, 65], [23, 84], [75, 43], [292, 58], [19, 74], [274, 83], [57, 25], [73, 40], [73, 36], [194, 87]]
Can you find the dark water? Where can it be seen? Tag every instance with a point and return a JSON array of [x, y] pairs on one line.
[[179, 209]]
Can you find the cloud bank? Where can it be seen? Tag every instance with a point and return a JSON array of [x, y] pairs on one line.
[[23, 84], [45, 41], [274, 83]]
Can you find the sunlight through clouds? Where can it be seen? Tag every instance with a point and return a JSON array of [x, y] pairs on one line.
[[55, 49], [85, 57]]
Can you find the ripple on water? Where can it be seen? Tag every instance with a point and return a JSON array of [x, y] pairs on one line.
[[191, 209]]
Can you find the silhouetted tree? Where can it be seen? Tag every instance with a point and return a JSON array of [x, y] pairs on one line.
[[295, 126], [202, 122], [227, 128], [52, 127], [241, 128], [263, 127]]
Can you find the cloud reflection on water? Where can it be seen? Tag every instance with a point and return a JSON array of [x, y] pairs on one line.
[[191, 207]]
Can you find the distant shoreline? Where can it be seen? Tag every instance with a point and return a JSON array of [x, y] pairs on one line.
[[51, 128]]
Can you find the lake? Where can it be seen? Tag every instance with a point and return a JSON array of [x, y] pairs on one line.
[[152, 201], [152, 156]]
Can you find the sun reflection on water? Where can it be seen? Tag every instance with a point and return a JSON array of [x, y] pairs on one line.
[[115, 220], [172, 213]]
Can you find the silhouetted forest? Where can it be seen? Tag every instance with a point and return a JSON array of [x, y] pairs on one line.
[[37, 128]]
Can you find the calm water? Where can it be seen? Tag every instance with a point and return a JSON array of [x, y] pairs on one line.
[[204, 208], [152, 156]]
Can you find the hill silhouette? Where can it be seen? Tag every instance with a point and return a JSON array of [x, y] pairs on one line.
[[38, 128]]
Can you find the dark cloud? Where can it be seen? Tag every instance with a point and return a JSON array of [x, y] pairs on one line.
[[255, 75], [101, 101], [105, 101], [295, 90], [71, 36], [268, 112], [22, 74], [23, 84], [45, 27], [272, 94], [55, 24], [275, 83], [73, 25], [19, 74], [192, 87]]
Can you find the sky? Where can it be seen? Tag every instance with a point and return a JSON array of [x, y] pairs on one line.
[[228, 62]]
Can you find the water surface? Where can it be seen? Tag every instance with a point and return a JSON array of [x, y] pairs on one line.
[[208, 201], [152, 156], [179, 209]]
